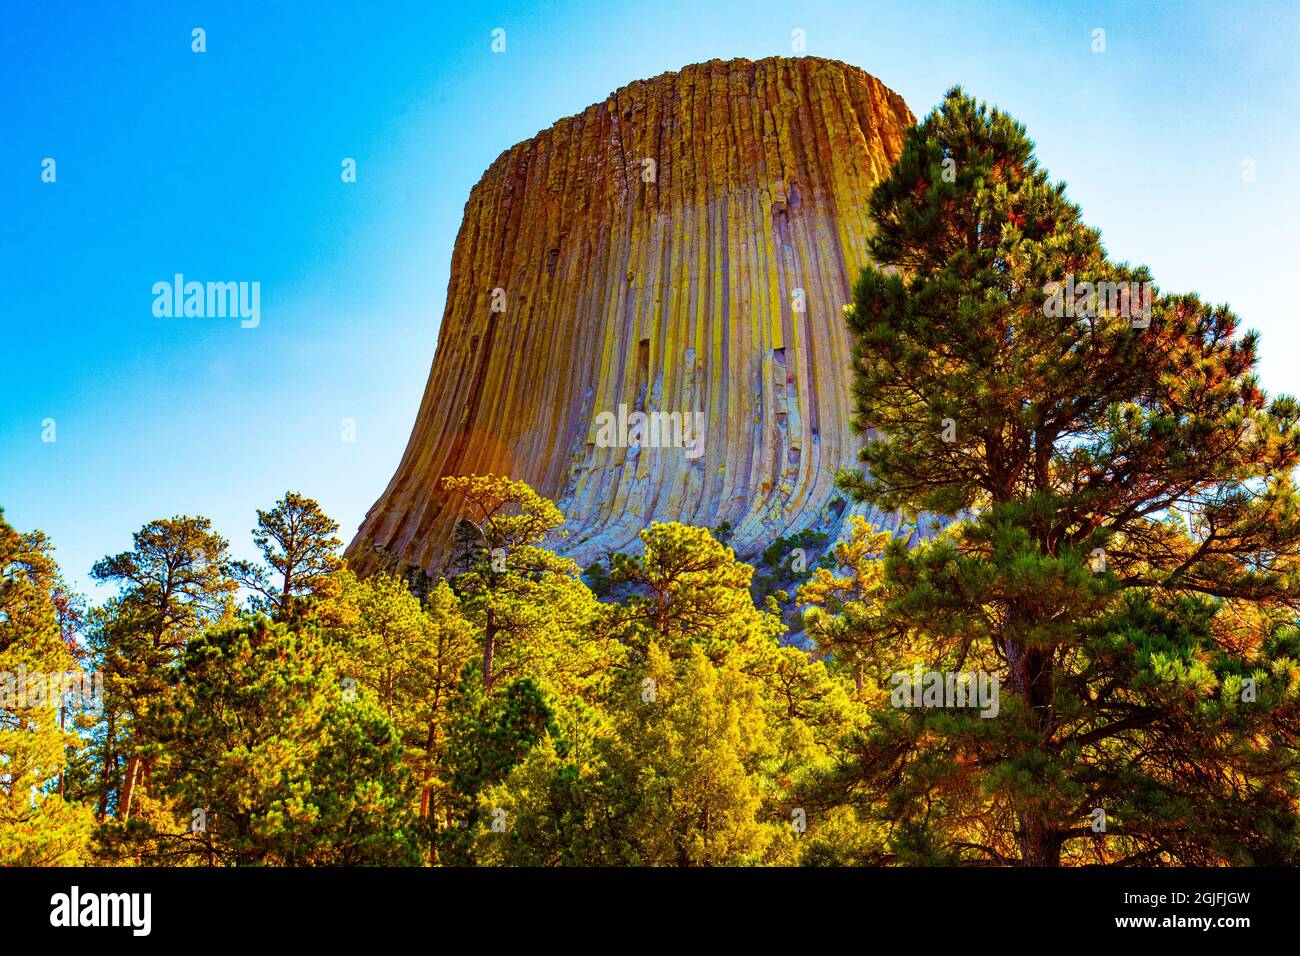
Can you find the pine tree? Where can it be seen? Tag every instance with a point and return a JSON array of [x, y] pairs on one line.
[[410, 656], [37, 826], [284, 759], [299, 545], [690, 589], [530, 606], [1126, 558], [843, 614], [174, 582], [488, 735]]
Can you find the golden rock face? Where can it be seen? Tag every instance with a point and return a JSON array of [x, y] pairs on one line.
[[685, 248]]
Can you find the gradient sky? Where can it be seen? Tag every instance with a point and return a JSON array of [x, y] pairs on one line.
[[226, 166]]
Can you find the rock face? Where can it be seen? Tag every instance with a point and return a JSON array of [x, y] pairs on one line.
[[685, 248]]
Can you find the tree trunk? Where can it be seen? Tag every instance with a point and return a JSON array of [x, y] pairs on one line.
[[1039, 843], [426, 794], [128, 788], [489, 649], [110, 765], [1029, 672], [63, 726]]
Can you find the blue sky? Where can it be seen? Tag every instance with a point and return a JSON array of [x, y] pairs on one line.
[[226, 165]]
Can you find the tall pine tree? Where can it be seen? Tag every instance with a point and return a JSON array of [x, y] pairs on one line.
[[1126, 558]]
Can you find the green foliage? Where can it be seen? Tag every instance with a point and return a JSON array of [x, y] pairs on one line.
[[665, 782], [174, 583], [694, 591], [1128, 544], [289, 763], [843, 613], [530, 605], [596, 576], [691, 756], [37, 826], [299, 545], [790, 559], [488, 735], [780, 553]]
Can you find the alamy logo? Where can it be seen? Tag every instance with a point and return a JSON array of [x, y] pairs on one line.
[[75, 690], [1127, 300], [103, 909], [651, 430], [212, 300], [922, 688]]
